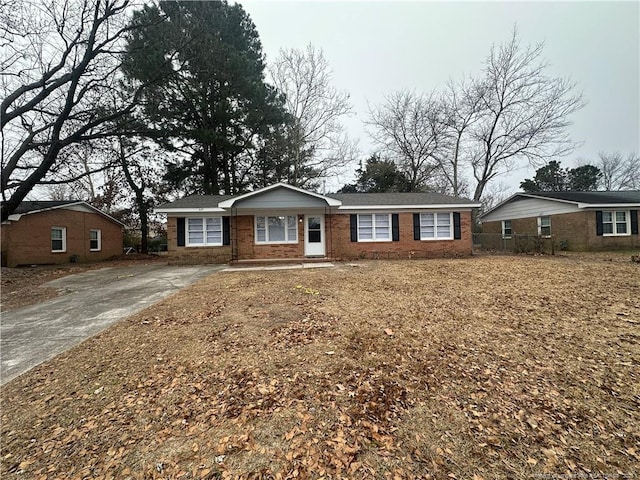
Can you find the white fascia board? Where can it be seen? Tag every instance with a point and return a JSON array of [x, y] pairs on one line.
[[541, 197], [608, 205], [17, 216], [446, 206], [190, 210], [332, 202]]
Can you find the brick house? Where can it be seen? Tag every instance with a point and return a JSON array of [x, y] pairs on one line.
[[50, 232], [282, 222], [579, 221]]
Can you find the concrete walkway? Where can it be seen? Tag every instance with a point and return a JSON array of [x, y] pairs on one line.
[[92, 301], [289, 266]]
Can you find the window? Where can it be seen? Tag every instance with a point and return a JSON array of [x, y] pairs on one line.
[[616, 222], [375, 227], [544, 227], [205, 231], [58, 239], [506, 229], [436, 226], [277, 229], [95, 240]]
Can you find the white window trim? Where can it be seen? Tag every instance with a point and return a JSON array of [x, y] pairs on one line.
[[504, 235], [204, 233], [266, 230], [99, 240], [64, 240], [540, 226], [615, 227], [373, 228], [435, 237]]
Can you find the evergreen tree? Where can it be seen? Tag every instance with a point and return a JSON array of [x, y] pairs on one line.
[[211, 105], [378, 176], [553, 178]]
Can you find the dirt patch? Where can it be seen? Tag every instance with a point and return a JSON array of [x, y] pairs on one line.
[[491, 367], [21, 287]]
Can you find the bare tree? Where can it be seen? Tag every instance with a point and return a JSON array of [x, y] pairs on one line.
[[461, 102], [619, 172], [58, 60], [410, 129], [524, 113], [319, 146]]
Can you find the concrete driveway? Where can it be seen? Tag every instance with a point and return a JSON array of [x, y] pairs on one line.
[[92, 301]]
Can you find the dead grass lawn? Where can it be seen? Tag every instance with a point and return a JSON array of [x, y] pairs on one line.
[[488, 367]]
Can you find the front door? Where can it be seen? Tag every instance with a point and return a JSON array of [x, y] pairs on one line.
[[314, 236]]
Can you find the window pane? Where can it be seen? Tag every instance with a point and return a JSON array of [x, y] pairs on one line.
[[607, 228], [382, 220], [214, 223], [93, 234], [621, 216], [196, 237], [427, 232], [621, 227], [262, 236], [444, 232], [195, 224], [365, 227], [292, 228], [314, 236], [365, 220], [56, 234], [382, 233], [426, 219], [260, 222], [444, 219], [545, 221], [545, 231], [276, 229], [607, 216]]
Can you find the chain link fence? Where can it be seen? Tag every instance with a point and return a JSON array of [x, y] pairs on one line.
[[516, 243]]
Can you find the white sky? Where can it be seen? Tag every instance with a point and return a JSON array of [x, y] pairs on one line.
[[377, 47]]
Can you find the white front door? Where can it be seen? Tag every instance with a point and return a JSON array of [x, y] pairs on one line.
[[314, 235]]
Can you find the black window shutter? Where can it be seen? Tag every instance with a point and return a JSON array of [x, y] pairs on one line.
[[226, 231], [416, 226], [354, 228], [181, 231], [634, 222], [457, 231], [599, 229], [395, 227]]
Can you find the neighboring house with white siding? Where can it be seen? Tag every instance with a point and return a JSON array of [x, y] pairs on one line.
[[580, 220]]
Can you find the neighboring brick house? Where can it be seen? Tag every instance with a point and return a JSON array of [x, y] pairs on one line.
[[50, 232], [579, 221], [282, 222]]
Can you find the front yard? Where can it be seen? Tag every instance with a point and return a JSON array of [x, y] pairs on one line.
[[488, 367]]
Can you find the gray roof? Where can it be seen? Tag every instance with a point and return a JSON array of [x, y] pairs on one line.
[[347, 199], [630, 196], [366, 199], [196, 201], [27, 206]]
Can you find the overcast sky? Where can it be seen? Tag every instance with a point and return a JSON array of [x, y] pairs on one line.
[[375, 48]]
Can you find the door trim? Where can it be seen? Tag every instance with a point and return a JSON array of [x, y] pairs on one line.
[[322, 248]]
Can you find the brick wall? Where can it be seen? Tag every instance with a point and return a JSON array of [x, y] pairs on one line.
[[577, 229], [192, 255], [28, 240], [337, 243], [340, 245]]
